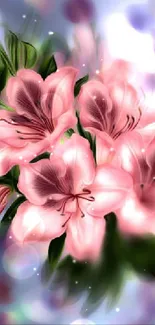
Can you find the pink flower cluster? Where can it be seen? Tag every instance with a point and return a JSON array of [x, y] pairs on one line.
[[70, 192]]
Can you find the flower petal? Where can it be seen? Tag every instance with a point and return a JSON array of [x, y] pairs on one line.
[[63, 123], [105, 146], [58, 90], [78, 158], [109, 189], [135, 218], [85, 47], [94, 105], [8, 132], [38, 181], [124, 96], [85, 237], [35, 223], [5, 192], [119, 70], [131, 150], [24, 92], [11, 156]]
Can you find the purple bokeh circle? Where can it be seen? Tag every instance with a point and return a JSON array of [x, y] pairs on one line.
[[139, 17], [78, 11]]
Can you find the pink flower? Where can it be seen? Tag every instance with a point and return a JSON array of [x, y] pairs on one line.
[[43, 111], [88, 50], [118, 70], [5, 192], [68, 193], [136, 154], [84, 48], [109, 110]]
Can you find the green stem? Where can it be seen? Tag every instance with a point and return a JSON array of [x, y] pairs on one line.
[[13, 208], [8, 108]]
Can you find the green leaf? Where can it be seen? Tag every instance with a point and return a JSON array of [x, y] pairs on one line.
[[12, 43], [11, 179], [55, 250], [30, 55], [108, 275], [54, 43], [22, 54], [79, 84], [4, 227], [7, 179], [93, 148], [69, 132], [48, 66], [46, 63], [87, 135], [44, 155], [74, 275], [10, 213], [3, 77], [5, 60], [54, 254], [4, 106], [141, 255], [15, 171]]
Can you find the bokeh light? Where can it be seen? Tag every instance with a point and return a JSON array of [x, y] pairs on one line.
[[37, 311], [139, 17], [21, 262], [83, 322], [124, 42]]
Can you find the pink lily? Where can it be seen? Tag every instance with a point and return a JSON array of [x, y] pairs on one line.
[[5, 192], [42, 112], [109, 110], [87, 53], [117, 70], [68, 193], [136, 155]]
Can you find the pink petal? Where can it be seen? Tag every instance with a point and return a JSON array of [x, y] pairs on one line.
[[126, 112], [131, 150], [60, 59], [8, 132], [63, 123], [109, 189], [38, 181], [94, 105], [27, 74], [78, 158], [134, 218], [105, 146], [124, 96], [147, 133], [35, 223], [85, 46], [5, 191], [118, 71], [85, 237], [58, 90], [24, 91], [11, 156]]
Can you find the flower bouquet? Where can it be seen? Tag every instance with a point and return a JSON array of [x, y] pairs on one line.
[[80, 158]]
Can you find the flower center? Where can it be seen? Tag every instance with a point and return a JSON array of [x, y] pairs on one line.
[[85, 195], [129, 125], [38, 126]]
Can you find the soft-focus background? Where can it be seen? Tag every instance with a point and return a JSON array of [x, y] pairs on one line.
[[127, 27]]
